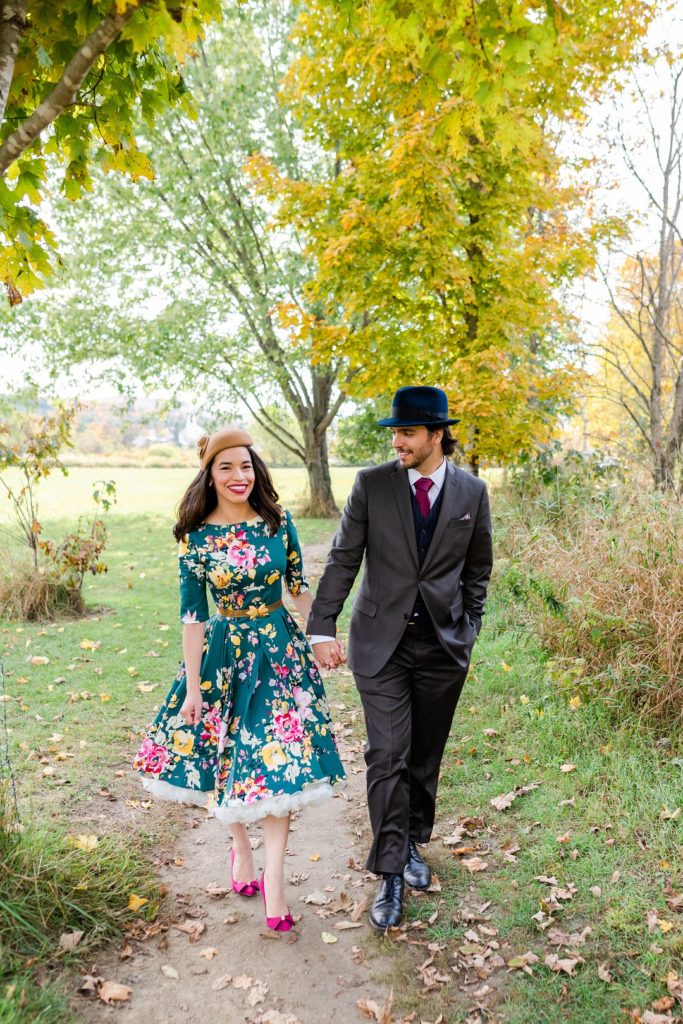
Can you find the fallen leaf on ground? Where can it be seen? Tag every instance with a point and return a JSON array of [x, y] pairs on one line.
[[381, 1014], [39, 659], [112, 992], [222, 982], [674, 900], [275, 1017], [209, 953], [69, 940], [664, 1004], [343, 926], [317, 898], [329, 938], [649, 1017], [257, 993], [604, 974], [243, 981], [567, 767], [193, 929], [557, 937], [595, 890], [89, 984], [87, 843], [474, 864], [568, 965], [359, 909], [667, 815], [170, 972], [501, 803], [135, 902], [523, 962], [314, 857]]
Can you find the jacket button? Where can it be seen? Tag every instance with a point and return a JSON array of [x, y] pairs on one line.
[[406, 615]]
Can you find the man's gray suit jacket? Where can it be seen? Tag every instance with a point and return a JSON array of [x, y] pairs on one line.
[[378, 523]]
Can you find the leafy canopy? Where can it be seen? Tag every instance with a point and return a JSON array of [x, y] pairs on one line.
[[73, 77], [446, 231]]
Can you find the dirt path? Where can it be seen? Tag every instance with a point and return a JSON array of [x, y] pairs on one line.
[[222, 964]]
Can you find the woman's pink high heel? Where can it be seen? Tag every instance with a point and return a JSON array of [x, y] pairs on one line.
[[241, 888], [276, 924]]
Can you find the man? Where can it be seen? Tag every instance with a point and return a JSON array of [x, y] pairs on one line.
[[424, 528]]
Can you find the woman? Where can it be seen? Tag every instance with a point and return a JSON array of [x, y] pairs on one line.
[[246, 727]]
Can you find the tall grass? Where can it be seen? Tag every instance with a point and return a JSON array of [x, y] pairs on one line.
[[601, 580], [35, 596], [49, 886]]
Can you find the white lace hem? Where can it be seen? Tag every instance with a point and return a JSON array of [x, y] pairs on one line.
[[237, 810], [278, 806], [176, 794]]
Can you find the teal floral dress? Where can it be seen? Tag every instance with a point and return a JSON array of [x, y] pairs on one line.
[[265, 743]]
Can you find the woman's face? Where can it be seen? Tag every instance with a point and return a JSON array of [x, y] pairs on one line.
[[232, 472]]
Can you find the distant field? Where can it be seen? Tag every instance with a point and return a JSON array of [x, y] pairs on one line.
[[155, 490]]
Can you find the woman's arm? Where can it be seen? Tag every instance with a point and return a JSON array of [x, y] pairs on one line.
[[303, 603], [329, 655], [193, 646]]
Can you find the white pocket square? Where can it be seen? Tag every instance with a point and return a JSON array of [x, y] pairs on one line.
[[465, 517]]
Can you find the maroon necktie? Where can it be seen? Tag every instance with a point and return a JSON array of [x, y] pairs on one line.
[[422, 487]]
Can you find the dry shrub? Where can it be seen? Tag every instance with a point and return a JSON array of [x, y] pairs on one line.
[[615, 615], [35, 596]]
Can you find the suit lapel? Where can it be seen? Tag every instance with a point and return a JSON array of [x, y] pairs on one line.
[[401, 484], [450, 489]]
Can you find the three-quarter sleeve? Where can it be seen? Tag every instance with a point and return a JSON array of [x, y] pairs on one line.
[[194, 606], [295, 579]]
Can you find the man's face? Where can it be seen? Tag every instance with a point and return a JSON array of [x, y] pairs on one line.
[[414, 445]]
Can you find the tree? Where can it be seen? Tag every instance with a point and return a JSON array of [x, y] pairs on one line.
[[73, 78], [446, 230], [188, 276], [642, 349], [359, 439]]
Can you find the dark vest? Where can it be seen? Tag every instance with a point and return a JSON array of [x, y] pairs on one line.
[[424, 532]]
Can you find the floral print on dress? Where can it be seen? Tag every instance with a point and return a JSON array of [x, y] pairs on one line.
[[265, 742]]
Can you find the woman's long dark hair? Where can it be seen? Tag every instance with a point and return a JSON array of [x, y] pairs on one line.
[[199, 500]]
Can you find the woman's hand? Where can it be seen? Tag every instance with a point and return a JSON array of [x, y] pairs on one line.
[[191, 711]]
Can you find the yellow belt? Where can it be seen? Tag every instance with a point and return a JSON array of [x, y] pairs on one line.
[[253, 612]]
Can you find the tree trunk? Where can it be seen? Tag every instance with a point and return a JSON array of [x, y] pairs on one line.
[[474, 457], [321, 503]]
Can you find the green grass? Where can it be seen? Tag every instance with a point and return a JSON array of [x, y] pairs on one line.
[[153, 491], [74, 724], [97, 701], [622, 782], [49, 887], [624, 777]]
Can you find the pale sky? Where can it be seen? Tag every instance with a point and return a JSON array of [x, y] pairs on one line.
[[624, 193]]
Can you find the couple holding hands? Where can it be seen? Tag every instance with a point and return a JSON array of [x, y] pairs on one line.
[[245, 729]]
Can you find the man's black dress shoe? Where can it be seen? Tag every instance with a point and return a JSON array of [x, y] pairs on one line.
[[416, 873], [387, 910]]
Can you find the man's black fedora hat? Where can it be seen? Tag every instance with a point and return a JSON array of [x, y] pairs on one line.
[[419, 407]]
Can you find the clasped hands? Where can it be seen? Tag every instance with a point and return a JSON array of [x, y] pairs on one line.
[[329, 653]]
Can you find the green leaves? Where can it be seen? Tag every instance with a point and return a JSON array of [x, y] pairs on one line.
[[443, 231], [138, 68]]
